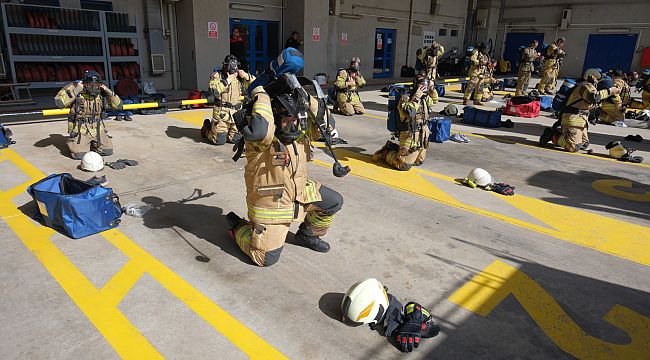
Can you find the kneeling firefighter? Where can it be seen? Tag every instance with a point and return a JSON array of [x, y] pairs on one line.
[[348, 81], [88, 100], [227, 85], [277, 135], [414, 109], [574, 114]]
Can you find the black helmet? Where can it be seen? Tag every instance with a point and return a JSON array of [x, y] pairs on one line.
[[286, 105], [92, 76], [92, 83], [230, 64]]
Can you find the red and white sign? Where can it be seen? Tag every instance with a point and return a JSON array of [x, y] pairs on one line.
[[379, 44], [213, 30], [315, 34], [344, 38]]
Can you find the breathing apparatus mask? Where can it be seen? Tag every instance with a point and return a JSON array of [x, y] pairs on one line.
[[92, 83], [290, 100], [293, 111], [421, 81], [230, 64]]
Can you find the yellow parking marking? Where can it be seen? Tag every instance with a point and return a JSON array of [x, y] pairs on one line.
[[488, 137], [100, 305], [193, 117], [611, 236], [499, 280], [609, 187]]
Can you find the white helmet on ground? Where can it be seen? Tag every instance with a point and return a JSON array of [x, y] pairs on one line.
[[479, 177], [92, 161], [616, 149], [365, 302]]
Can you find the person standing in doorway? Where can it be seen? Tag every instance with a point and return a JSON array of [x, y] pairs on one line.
[[238, 48], [294, 41]]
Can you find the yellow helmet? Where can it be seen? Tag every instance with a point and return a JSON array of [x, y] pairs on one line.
[[592, 72]]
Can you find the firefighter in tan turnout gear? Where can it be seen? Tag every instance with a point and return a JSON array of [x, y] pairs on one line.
[[553, 55], [278, 146], [88, 99], [613, 108], [526, 67], [348, 81], [574, 116], [429, 59], [227, 86], [479, 61], [414, 112]]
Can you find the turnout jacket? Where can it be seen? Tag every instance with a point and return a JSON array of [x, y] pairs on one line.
[[275, 173], [228, 90], [85, 109], [584, 98]]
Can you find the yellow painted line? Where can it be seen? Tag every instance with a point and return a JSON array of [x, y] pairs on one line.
[[499, 280], [557, 151], [609, 187], [100, 305], [601, 233]]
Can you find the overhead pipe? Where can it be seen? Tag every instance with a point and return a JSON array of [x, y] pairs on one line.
[[408, 41], [171, 18]]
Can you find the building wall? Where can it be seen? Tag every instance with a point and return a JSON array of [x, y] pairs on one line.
[[588, 16], [392, 15]]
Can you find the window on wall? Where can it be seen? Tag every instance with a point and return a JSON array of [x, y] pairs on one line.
[[41, 2], [96, 5], [428, 38], [442, 32], [435, 7], [454, 33]]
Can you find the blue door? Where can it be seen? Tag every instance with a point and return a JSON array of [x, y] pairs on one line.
[[384, 53], [514, 41], [610, 51], [254, 42]]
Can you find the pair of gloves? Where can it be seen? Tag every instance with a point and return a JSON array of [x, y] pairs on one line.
[[410, 327], [121, 164]]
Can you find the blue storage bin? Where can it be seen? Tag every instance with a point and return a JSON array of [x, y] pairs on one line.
[[480, 117], [440, 129], [440, 89]]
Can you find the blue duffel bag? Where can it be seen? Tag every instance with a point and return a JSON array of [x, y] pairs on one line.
[[546, 102], [480, 117], [440, 129], [75, 208], [5, 137]]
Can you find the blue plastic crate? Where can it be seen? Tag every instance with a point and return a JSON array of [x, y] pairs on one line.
[[440, 129]]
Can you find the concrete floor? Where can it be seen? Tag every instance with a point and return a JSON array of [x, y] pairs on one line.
[[572, 247]]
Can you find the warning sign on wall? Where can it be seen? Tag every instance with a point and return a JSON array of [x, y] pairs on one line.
[[380, 44], [213, 30], [344, 38], [315, 34]]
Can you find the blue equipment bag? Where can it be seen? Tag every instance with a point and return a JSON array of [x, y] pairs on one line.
[[5, 137], [546, 102], [440, 89], [394, 94], [480, 117], [74, 207], [440, 128]]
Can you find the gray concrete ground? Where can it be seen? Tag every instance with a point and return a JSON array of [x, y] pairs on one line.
[[422, 247]]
